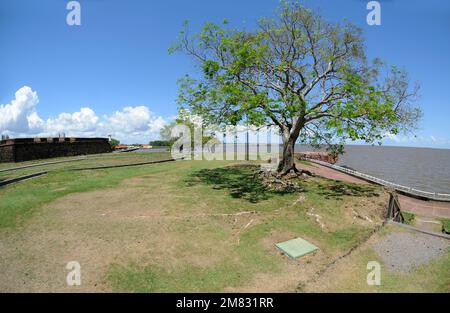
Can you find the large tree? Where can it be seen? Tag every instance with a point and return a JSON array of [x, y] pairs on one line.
[[300, 73]]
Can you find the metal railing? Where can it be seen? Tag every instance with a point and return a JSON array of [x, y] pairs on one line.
[[409, 190]]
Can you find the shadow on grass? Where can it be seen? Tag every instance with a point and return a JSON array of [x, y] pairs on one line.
[[339, 189], [238, 179]]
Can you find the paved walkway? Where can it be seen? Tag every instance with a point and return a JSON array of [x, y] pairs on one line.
[[408, 204]]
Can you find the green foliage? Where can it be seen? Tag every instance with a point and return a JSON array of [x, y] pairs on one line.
[[160, 143], [445, 225], [114, 142], [309, 77], [409, 217]]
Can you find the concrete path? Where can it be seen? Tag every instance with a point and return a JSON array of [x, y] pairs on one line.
[[331, 174], [408, 204], [427, 208]]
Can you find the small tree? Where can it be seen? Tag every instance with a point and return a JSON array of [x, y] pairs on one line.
[[160, 143], [192, 122], [114, 142], [308, 77]]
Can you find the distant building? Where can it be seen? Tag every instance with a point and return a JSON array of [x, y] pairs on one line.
[[146, 146], [25, 149], [120, 147]]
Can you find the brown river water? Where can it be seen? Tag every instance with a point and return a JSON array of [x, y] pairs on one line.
[[421, 168]]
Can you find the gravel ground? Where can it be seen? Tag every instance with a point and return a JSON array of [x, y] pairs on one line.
[[403, 251]]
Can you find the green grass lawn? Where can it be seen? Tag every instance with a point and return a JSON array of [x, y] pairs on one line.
[[179, 226], [18, 201]]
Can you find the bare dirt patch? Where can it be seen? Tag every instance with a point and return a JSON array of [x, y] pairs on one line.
[[130, 223], [223, 225]]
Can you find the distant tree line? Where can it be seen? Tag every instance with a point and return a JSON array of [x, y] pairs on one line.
[[161, 143], [114, 142]]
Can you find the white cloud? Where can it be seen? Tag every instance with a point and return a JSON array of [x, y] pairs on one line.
[[35, 123], [83, 121], [20, 115], [130, 119], [131, 124], [157, 124]]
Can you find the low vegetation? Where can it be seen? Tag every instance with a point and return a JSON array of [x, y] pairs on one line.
[[409, 218], [445, 225], [180, 226]]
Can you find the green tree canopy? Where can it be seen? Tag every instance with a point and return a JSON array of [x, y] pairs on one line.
[[114, 142], [308, 77]]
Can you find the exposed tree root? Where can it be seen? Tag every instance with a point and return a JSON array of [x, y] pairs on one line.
[[274, 183], [281, 181]]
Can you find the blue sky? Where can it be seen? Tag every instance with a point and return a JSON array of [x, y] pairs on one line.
[[113, 72]]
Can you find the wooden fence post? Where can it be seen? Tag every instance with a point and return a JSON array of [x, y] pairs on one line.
[[394, 210]]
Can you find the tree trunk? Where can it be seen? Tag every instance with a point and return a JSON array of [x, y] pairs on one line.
[[287, 161]]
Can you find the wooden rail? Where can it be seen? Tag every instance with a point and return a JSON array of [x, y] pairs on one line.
[[41, 164], [403, 189], [125, 165], [21, 178], [432, 233], [394, 212]]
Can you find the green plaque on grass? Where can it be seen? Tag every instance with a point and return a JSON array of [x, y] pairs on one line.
[[296, 247]]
